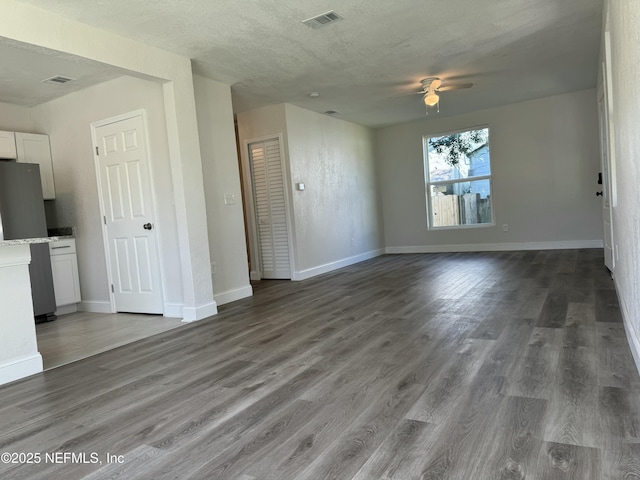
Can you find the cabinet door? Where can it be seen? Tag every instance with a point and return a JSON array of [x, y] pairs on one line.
[[65, 279], [7, 145], [35, 148]]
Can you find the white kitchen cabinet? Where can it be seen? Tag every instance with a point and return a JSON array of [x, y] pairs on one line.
[[64, 266], [7, 145], [35, 148]]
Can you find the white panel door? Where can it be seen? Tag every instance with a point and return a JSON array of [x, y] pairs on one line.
[[129, 218], [270, 208]]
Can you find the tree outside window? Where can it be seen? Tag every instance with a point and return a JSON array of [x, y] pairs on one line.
[[458, 183]]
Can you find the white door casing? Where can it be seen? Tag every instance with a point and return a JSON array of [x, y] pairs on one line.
[[609, 259], [270, 208], [122, 165]]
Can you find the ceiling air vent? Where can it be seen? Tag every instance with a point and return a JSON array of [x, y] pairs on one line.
[[331, 112], [58, 80], [322, 20]]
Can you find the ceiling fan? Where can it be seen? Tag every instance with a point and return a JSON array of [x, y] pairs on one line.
[[432, 86]]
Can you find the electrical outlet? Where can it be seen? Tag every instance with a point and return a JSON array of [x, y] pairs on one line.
[[505, 227]]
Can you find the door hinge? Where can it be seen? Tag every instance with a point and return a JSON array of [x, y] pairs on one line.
[[112, 290], [97, 152], [104, 217]]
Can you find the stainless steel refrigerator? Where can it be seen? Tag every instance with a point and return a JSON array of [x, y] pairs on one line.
[[22, 216]]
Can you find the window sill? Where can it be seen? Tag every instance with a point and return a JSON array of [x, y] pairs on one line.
[[462, 227]]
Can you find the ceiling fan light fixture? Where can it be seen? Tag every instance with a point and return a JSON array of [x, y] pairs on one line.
[[431, 99]]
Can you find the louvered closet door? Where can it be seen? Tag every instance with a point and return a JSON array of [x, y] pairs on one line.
[[270, 208]]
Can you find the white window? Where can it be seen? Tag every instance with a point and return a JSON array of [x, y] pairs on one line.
[[458, 183]]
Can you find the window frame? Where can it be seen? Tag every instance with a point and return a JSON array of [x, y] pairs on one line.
[[428, 183]]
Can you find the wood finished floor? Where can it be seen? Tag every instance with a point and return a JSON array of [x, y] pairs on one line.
[[510, 365], [75, 336]]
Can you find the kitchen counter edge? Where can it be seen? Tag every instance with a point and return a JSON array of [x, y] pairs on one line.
[[26, 241]]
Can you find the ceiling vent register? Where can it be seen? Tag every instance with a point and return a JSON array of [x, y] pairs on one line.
[[322, 20], [58, 80]]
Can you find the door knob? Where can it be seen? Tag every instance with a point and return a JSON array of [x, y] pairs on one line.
[[147, 226], [598, 194]]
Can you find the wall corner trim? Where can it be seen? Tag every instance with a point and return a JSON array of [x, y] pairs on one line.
[[328, 267], [193, 314], [20, 368]]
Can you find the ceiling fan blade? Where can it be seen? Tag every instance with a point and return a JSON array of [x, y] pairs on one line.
[[455, 87]]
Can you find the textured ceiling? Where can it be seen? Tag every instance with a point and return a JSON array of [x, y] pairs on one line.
[[24, 67], [367, 65]]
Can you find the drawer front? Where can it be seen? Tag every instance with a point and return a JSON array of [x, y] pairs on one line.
[[63, 247]]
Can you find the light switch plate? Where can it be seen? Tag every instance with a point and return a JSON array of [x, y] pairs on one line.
[[229, 198], [300, 186]]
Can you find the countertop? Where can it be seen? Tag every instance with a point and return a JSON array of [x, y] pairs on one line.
[[25, 241]]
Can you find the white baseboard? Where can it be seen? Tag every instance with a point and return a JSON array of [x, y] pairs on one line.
[[233, 295], [94, 306], [20, 368], [632, 335], [497, 247], [193, 314], [328, 267], [255, 275], [67, 309], [173, 310]]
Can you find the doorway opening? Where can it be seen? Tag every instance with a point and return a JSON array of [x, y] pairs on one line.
[[267, 219], [128, 213]]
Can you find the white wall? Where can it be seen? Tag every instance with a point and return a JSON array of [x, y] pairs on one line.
[[14, 118], [227, 247], [31, 25], [67, 121], [624, 26], [264, 122], [544, 160], [337, 217], [336, 220], [19, 355]]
